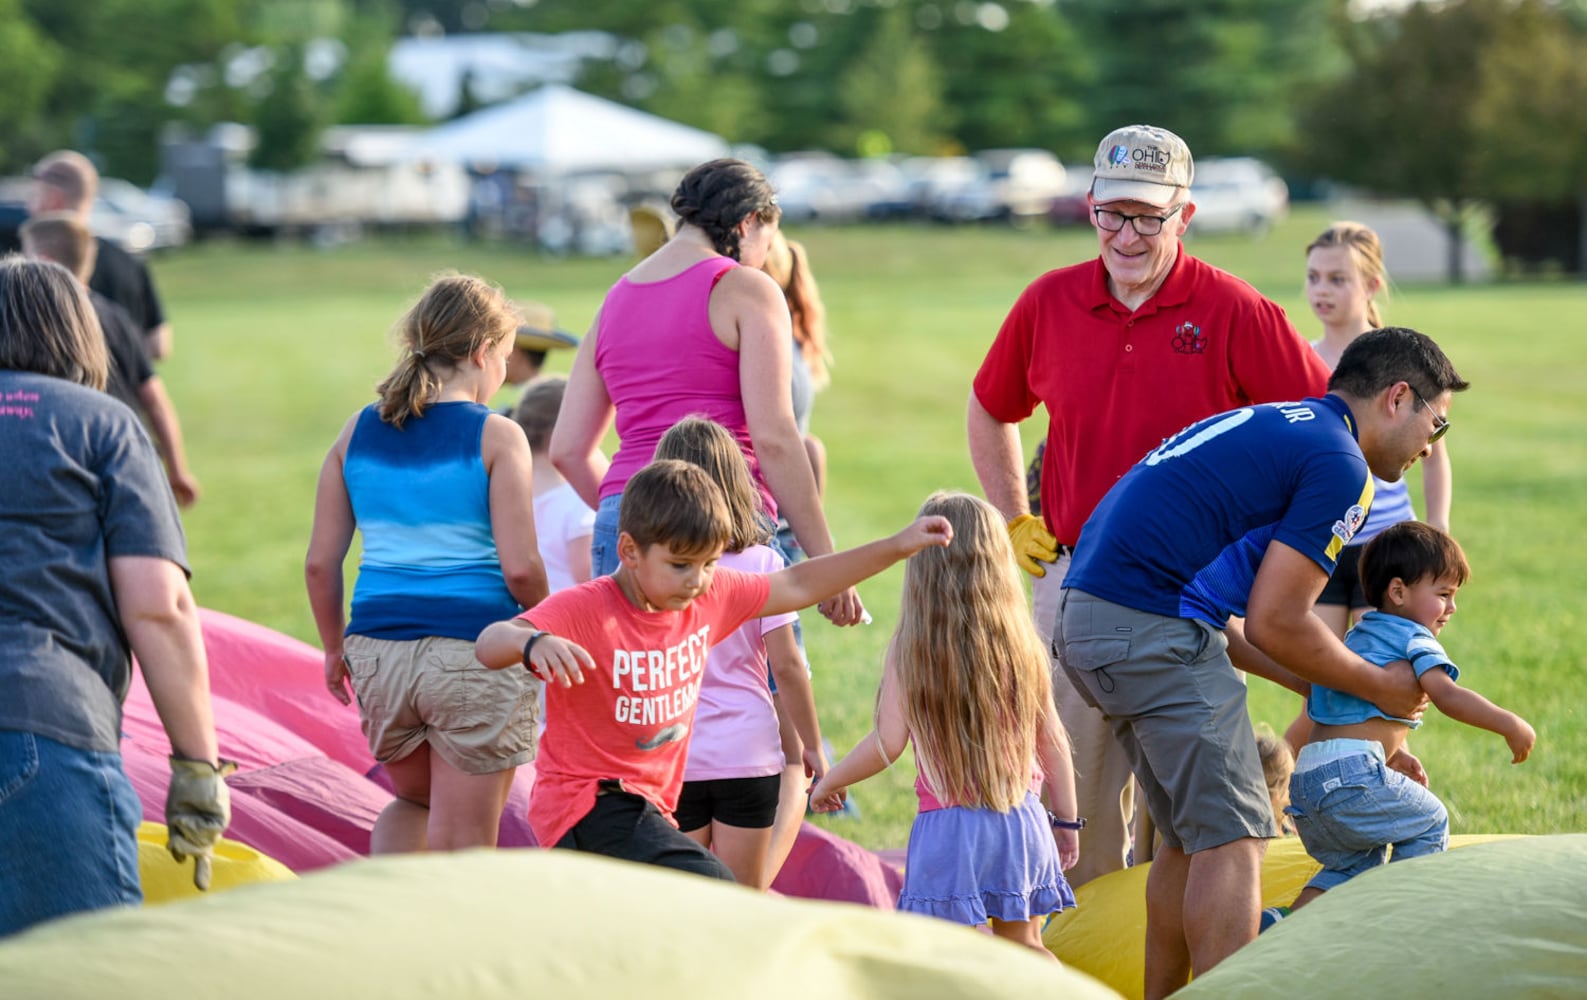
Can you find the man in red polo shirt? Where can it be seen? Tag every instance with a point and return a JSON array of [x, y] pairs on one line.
[[1122, 351]]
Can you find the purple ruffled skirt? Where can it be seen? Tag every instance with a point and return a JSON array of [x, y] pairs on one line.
[[967, 865]]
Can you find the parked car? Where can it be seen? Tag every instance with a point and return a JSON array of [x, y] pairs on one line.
[[1071, 208], [139, 220], [1018, 185], [816, 186], [1238, 194], [923, 181]]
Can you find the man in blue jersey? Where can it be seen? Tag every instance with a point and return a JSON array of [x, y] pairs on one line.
[[1239, 515]]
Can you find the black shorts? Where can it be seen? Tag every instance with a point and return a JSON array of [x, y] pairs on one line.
[[625, 826], [1344, 586], [750, 803]]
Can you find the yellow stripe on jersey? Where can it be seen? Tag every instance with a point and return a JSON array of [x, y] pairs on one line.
[[1335, 544]]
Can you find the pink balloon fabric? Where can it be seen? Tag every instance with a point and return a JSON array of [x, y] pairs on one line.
[[823, 865], [307, 791]]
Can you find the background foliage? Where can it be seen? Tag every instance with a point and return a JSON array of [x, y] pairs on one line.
[[1446, 102]]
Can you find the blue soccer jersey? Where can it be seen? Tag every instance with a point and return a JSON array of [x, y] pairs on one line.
[[1183, 532]]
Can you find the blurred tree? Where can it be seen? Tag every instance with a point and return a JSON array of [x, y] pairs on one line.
[[1457, 103], [1532, 117], [1531, 111], [289, 116], [1223, 74], [29, 63], [110, 98], [694, 61], [366, 92], [1016, 74], [891, 93], [923, 73]]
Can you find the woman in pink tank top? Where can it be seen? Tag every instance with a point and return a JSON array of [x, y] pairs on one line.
[[688, 331]]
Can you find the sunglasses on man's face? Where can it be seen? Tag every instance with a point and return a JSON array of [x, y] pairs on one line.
[[1440, 424]]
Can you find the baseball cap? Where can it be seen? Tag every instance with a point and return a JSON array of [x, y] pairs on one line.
[[1141, 163], [539, 330]]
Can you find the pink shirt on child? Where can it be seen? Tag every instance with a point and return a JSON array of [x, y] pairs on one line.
[[631, 718], [661, 362], [735, 725], [929, 801]]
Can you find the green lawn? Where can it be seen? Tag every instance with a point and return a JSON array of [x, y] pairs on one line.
[[277, 345]]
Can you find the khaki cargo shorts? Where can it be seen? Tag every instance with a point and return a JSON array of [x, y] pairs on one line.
[[433, 691]]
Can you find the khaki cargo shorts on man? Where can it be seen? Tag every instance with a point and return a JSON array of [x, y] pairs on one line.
[[433, 690]]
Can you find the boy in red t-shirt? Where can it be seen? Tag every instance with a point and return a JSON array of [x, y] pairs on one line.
[[611, 758]]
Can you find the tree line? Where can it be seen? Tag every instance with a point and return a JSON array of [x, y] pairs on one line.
[[1466, 105]]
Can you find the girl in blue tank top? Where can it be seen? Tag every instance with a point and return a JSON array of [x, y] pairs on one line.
[[440, 489]]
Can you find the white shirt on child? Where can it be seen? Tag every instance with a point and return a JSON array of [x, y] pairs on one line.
[[560, 517]]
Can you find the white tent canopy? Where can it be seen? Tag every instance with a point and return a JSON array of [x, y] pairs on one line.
[[559, 130]]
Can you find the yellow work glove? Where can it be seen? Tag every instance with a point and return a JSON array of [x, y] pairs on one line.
[[1033, 544], [197, 811]]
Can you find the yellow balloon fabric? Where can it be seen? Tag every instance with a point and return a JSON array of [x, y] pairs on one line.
[[509, 924], [165, 879], [1105, 935]]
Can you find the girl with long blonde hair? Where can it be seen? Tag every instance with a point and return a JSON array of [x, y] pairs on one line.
[[966, 680]]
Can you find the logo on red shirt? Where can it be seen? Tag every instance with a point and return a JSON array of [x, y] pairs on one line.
[[1188, 339]]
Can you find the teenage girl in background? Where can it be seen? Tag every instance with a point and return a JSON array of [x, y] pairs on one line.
[[1344, 275]]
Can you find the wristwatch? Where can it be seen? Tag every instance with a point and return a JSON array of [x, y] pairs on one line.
[[1066, 824]]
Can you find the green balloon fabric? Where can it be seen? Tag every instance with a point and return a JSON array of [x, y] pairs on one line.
[[1503, 919], [509, 924], [1104, 936]]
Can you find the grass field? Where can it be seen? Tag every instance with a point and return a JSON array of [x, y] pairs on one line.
[[277, 345]]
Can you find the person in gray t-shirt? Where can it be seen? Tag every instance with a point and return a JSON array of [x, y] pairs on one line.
[[92, 569]]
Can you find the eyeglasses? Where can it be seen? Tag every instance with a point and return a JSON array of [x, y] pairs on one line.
[[1440, 424], [1145, 225]]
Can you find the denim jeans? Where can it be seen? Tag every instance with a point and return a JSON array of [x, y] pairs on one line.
[[1350, 810], [603, 543], [68, 831]]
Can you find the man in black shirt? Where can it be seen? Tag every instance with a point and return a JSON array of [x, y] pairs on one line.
[[60, 237], [65, 181]]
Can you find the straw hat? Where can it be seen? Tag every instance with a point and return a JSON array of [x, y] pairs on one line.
[[539, 330]]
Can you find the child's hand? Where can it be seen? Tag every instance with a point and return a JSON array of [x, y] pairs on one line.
[[1407, 764], [925, 532], [1521, 737], [844, 608], [1068, 847], [815, 761], [825, 797], [336, 677], [557, 660]]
